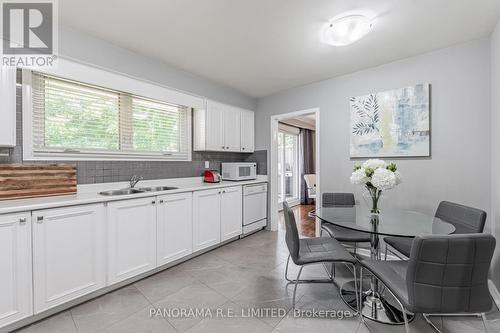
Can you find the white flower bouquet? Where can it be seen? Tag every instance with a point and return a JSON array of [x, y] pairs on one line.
[[377, 176]]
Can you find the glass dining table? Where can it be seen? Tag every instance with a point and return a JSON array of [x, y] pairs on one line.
[[376, 304]]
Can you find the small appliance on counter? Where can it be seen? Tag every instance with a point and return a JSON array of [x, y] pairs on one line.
[[239, 171], [211, 176]]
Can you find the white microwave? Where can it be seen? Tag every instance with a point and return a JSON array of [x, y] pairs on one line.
[[239, 171]]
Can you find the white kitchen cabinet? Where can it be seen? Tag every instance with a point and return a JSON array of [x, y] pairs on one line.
[[215, 126], [232, 130], [247, 131], [221, 127], [206, 219], [216, 216], [7, 106], [174, 227], [15, 271], [68, 254], [231, 213], [131, 238]]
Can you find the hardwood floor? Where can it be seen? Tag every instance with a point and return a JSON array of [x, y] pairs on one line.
[[306, 225]]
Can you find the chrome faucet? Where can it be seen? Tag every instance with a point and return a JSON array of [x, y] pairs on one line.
[[134, 180]]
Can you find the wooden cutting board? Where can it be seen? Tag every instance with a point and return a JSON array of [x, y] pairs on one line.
[[36, 180]]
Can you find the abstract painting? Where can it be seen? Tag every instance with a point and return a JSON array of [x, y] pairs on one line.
[[392, 123]]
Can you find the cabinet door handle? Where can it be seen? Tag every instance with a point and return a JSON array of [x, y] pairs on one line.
[[161, 201], [223, 147], [22, 220], [39, 219], [243, 148], [224, 191], [153, 202]]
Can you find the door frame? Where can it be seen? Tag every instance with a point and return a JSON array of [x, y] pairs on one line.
[[273, 163]]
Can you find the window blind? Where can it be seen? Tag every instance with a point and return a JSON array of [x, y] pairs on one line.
[[75, 118]]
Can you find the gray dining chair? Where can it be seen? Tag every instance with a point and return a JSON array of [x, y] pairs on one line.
[[466, 220], [308, 251], [445, 275], [343, 235]]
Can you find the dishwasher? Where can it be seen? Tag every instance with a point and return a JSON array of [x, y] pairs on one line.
[[254, 208]]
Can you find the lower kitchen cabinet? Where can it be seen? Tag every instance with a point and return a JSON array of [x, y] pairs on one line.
[[231, 213], [174, 227], [53, 256], [15, 271], [206, 219], [68, 254], [131, 238], [216, 216]]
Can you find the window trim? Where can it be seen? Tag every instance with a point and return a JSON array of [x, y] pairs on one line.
[[138, 88]]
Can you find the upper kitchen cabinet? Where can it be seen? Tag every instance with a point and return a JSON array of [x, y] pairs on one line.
[[221, 127], [208, 128], [7, 106], [247, 131], [232, 128]]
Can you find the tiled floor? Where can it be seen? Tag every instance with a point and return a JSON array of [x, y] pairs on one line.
[[246, 274]]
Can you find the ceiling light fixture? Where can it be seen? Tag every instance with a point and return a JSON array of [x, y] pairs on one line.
[[346, 30]]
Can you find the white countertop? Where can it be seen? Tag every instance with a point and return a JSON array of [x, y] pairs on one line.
[[89, 194]]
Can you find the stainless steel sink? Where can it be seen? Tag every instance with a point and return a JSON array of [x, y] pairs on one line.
[[157, 188], [127, 191], [124, 191]]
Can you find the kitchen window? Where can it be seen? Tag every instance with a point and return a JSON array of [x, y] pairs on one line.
[[71, 120]]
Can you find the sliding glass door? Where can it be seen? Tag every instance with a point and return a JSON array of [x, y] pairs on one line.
[[288, 165]]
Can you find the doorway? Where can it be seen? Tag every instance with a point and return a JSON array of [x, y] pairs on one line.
[[294, 165], [288, 165]]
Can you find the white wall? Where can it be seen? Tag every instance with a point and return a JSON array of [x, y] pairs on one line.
[[495, 148], [98, 52], [459, 168]]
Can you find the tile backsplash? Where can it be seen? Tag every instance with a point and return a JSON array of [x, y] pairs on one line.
[[90, 172]]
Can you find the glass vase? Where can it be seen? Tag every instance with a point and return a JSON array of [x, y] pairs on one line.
[[372, 199]]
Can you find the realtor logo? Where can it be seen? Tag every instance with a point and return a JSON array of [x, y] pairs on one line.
[[29, 33]]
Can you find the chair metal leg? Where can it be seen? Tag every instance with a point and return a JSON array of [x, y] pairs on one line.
[[360, 288], [431, 324], [295, 287], [483, 316], [428, 315], [405, 317], [329, 280], [356, 288], [286, 269], [394, 253], [330, 271], [407, 325], [362, 319]]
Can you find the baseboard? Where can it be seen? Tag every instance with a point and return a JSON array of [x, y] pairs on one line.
[[494, 293]]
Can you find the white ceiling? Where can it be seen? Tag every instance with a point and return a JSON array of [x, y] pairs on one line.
[[260, 47], [306, 121]]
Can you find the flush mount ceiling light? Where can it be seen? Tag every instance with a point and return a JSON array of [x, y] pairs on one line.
[[346, 30]]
